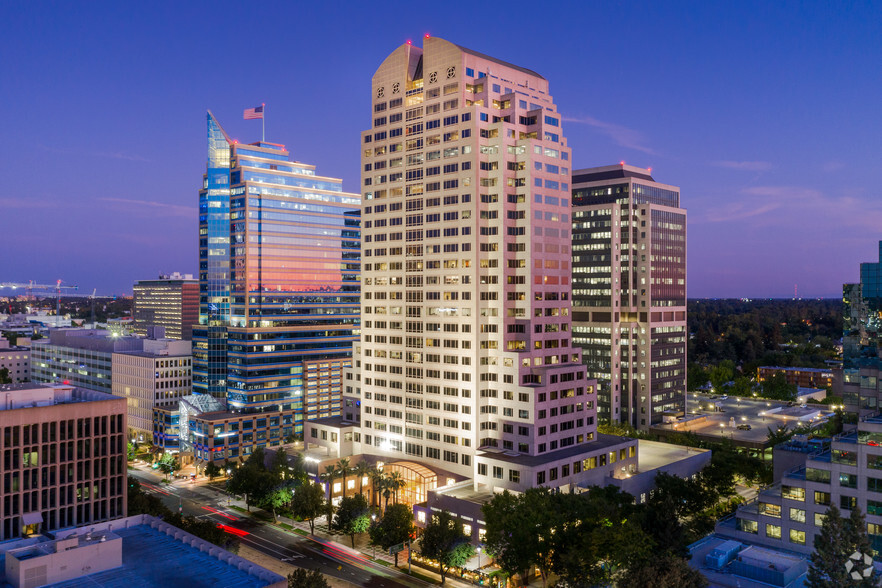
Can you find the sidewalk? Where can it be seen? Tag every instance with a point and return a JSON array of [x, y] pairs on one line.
[[214, 491]]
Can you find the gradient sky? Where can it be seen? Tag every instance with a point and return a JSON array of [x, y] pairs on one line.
[[767, 117]]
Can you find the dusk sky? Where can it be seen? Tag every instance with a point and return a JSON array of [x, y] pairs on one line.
[[766, 116]]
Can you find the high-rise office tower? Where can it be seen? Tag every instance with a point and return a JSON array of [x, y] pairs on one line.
[[279, 264], [629, 291], [861, 349], [170, 301], [465, 360]]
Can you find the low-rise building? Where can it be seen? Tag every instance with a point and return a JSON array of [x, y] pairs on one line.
[[16, 359], [803, 377], [64, 458], [848, 473]]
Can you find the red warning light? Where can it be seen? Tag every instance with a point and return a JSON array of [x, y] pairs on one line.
[[66, 382], [622, 162], [427, 35], [408, 41]]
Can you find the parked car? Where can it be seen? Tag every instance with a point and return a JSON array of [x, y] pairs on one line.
[[744, 427]]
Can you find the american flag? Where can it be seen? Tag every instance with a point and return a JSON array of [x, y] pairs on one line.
[[252, 113]]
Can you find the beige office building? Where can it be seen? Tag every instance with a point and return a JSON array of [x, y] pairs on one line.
[[157, 377], [64, 458]]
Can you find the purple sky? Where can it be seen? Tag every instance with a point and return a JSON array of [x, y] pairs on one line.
[[767, 117]]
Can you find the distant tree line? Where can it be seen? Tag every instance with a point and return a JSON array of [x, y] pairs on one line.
[[729, 339]]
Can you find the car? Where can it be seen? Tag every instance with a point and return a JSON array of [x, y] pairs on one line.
[[724, 397], [744, 427]]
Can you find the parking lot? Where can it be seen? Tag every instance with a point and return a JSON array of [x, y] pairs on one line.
[[720, 417]]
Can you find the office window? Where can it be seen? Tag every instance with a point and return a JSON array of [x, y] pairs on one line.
[[797, 536], [773, 531]]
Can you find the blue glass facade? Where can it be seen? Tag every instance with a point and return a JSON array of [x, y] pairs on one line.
[[210, 337], [279, 280]]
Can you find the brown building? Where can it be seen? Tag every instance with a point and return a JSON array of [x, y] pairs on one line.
[[64, 461], [171, 301], [801, 376]]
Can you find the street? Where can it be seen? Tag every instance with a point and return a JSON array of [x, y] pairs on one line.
[[327, 557]]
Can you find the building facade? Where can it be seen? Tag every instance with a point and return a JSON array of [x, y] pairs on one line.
[[279, 282], [170, 301], [80, 357], [16, 359], [465, 363], [629, 292], [158, 376], [64, 458], [798, 376]]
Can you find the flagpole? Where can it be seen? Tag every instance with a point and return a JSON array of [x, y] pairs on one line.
[[263, 125]]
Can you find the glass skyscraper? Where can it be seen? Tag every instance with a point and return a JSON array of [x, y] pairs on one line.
[[279, 270]]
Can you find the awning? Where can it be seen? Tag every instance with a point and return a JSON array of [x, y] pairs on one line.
[[31, 518]]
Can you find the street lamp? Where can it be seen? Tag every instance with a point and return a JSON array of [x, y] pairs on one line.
[[479, 558]]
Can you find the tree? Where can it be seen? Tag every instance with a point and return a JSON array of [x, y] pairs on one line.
[[395, 527], [308, 502], [278, 499], [664, 571], [4, 376], [838, 540], [353, 516], [362, 470], [395, 483], [377, 480], [212, 470], [777, 388], [342, 471], [252, 480], [444, 541], [721, 374], [301, 578], [519, 530], [168, 464], [328, 477], [279, 464]]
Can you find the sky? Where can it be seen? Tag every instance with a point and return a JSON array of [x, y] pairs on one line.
[[766, 115]]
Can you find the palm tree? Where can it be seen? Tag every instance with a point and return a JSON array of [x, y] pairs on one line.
[[328, 477], [343, 469], [361, 470], [376, 475], [396, 483]]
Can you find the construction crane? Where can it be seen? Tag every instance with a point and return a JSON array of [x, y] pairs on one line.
[[32, 286], [92, 298]]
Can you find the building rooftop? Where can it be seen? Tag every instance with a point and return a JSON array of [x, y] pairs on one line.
[[152, 557], [599, 444], [21, 396], [500, 62], [653, 454], [333, 421], [610, 172]]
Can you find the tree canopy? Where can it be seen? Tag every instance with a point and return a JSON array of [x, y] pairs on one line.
[[353, 516], [445, 541], [395, 527]]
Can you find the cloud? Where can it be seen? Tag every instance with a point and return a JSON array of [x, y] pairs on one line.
[[623, 136], [118, 155], [172, 209], [744, 165], [796, 202]]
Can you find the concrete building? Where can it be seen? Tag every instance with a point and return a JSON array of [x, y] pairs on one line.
[[157, 376], [170, 301], [465, 369], [802, 377], [791, 512], [80, 357], [279, 282], [135, 551], [16, 359], [64, 458], [629, 292]]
